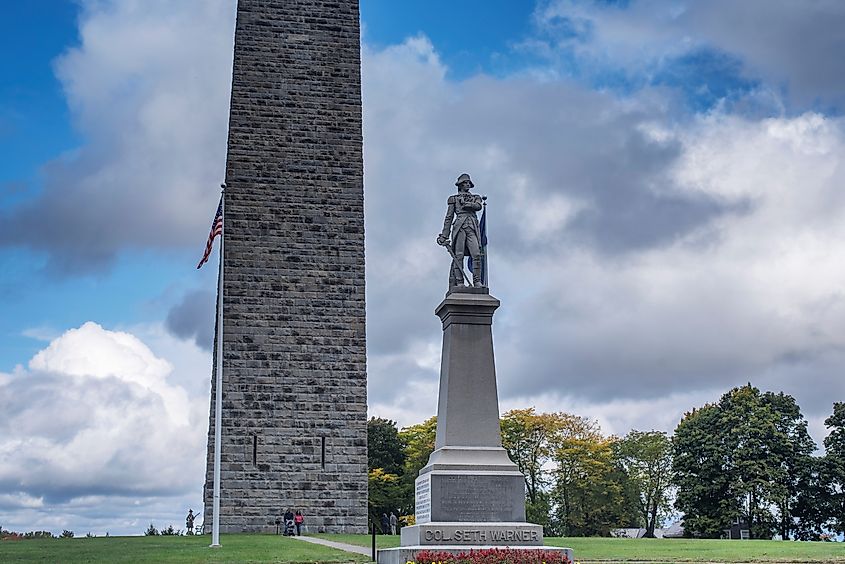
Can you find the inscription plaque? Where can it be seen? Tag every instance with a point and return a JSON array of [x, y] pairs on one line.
[[422, 499], [477, 497]]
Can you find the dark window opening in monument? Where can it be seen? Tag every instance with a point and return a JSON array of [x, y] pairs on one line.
[[254, 450], [323, 453]]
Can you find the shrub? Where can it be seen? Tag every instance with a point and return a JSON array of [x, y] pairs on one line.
[[36, 535], [66, 534], [151, 531], [170, 531], [492, 556]]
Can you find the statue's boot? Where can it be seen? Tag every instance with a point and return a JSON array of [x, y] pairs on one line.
[[476, 273]]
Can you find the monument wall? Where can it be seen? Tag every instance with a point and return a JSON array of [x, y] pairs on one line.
[[294, 393]]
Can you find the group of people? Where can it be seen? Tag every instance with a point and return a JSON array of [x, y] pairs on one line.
[[389, 523], [293, 522]]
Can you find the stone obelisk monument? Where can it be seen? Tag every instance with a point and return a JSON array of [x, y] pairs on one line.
[[294, 416], [470, 495]]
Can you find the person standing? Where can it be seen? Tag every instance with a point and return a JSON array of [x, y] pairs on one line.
[[189, 522], [385, 524], [394, 522], [298, 519]]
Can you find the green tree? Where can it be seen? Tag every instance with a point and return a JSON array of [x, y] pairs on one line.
[[755, 458], [384, 448], [647, 459], [811, 508], [742, 458], [700, 470], [834, 469], [794, 449]]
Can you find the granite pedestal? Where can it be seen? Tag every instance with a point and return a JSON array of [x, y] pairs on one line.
[[470, 495]]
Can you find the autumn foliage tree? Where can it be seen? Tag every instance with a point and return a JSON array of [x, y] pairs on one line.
[[591, 492], [528, 437]]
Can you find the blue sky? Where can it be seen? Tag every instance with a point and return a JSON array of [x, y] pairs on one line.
[[35, 121], [666, 216]]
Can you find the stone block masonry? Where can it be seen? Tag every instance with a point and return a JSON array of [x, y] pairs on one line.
[[294, 431]]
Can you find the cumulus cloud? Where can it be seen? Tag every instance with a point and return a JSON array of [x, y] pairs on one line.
[[148, 87], [96, 418]]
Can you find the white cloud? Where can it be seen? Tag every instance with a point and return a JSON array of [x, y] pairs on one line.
[[97, 422]]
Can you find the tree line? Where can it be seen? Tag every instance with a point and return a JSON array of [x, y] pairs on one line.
[[747, 458]]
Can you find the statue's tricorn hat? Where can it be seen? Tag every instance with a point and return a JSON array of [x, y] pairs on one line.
[[464, 177]]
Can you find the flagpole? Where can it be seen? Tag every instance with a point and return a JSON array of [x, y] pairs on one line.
[[218, 399]]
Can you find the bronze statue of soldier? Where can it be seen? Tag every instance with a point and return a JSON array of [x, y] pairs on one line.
[[189, 522], [462, 221]]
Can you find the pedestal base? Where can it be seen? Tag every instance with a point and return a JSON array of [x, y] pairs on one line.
[[405, 554]]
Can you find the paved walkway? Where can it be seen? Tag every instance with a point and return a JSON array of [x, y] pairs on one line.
[[366, 551]]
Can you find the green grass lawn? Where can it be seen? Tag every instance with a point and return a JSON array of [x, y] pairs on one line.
[[700, 550], [668, 550], [234, 548], [274, 548]]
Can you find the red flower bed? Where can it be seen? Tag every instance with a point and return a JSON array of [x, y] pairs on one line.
[[492, 556]]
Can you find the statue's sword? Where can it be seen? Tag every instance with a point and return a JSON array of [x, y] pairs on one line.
[[455, 261]]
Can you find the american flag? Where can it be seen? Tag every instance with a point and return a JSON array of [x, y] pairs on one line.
[[216, 229]]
